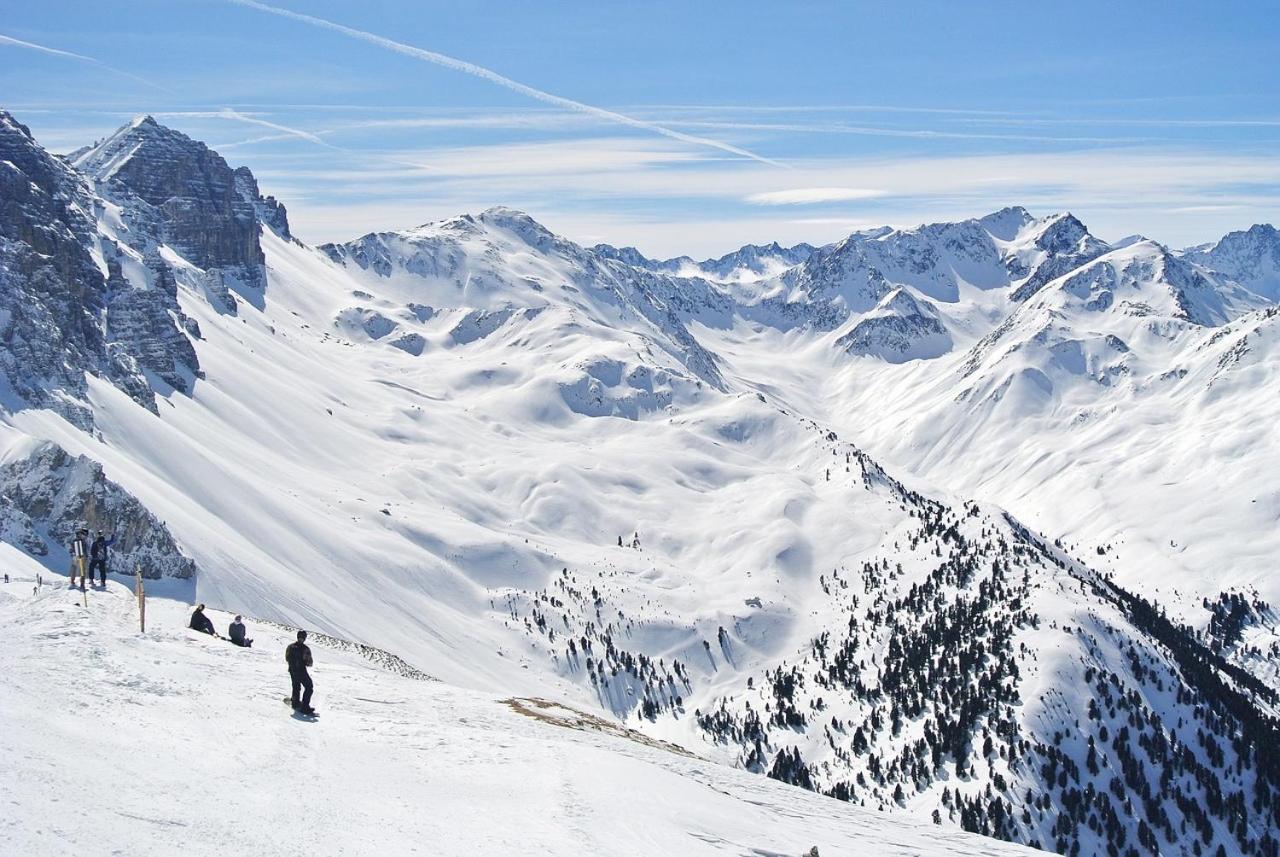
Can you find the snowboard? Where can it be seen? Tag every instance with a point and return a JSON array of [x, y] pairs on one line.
[[312, 715]]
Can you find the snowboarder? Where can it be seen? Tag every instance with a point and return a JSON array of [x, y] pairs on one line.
[[298, 657], [235, 633], [98, 556], [201, 622], [79, 556]]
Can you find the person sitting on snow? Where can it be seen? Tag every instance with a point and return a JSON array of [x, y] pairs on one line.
[[201, 622], [236, 633]]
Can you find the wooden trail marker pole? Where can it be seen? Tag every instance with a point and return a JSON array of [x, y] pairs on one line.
[[142, 599]]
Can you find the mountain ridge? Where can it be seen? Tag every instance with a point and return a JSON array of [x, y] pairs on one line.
[[522, 464]]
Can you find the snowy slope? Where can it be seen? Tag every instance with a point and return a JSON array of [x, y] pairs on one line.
[[530, 468], [113, 741], [1130, 403]]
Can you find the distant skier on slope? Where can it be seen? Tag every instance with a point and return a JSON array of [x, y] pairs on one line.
[[79, 556], [235, 633], [298, 657], [201, 622], [98, 556]]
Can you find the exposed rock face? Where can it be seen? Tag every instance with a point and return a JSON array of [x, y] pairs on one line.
[[53, 296], [270, 211], [177, 192], [900, 328], [182, 193], [1067, 245], [45, 497], [83, 290], [142, 324], [1251, 257]]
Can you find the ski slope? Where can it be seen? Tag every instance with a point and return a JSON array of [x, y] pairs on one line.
[[116, 742], [535, 470]]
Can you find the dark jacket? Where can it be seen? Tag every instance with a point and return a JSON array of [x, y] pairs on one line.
[[298, 657], [100, 545], [201, 622], [236, 632], [80, 547]]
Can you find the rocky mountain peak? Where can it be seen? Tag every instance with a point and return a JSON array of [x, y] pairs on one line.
[[179, 192], [626, 255], [1251, 257], [20, 149], [517, 222], [1006, 223], [1062, 234]]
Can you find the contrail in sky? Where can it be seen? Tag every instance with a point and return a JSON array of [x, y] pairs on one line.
[[228, 113], [19, 43], [515, 86]]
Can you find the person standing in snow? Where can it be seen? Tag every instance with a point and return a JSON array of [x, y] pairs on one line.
[[235, 633], [298, 657], [79, 556], [201, 622], [98, 556]]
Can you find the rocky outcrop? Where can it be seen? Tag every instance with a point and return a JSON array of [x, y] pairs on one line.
[[53, 296], [900, 328], [46, 496], [83, 290], [1251, 257], [271, 212], [1066, 244], [179, 192]]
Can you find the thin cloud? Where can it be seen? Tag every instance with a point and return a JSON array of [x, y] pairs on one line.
[[577, 185], [909, 133], [812, 195], [1197, 209], [826, 108], [1146, 123], [58, 52], [493, 77]]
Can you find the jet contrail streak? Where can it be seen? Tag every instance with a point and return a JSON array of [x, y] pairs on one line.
[[19, 43], [493, 77], [228, 113], [10, 40]]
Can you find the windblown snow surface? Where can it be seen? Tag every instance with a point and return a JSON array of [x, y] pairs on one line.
[[117, 742]]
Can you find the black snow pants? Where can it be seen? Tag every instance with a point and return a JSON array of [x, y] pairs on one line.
[[101, 565], [301, 681]]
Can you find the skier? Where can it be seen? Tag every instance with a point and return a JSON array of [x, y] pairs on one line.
[[235, 633], [298, 657], [98, 556], [79, 556], [201, 622]]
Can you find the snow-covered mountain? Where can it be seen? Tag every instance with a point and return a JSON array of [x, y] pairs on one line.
[[886, 519], [1250, 257], [747, 264]]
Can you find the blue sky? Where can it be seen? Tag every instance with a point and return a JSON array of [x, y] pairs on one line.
[[735, 122]]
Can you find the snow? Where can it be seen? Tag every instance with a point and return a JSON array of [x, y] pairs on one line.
[[113, 741], [418, 439]]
